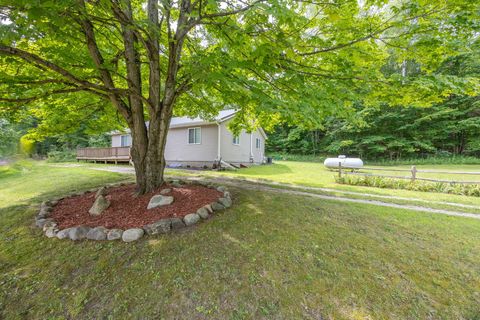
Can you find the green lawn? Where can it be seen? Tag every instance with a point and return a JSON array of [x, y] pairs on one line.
[[270, 256], [316, 175]]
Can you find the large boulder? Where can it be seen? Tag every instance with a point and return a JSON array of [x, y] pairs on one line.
[[97, 233], [78, 233], [132, 234], [114, 234], [101, 204], [191, 219], [161, 226], [159, 200]]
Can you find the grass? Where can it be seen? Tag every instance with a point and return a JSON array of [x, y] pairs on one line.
[[429, 160], [314, 174], [271, 256]]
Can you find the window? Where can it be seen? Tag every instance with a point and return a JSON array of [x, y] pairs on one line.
[[257, 143], [125, 141], [194, 136], [236, 140]]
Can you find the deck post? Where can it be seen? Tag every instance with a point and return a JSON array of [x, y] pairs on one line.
[[414, 173]]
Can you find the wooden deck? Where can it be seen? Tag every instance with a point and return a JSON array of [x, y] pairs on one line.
[[114, 154]]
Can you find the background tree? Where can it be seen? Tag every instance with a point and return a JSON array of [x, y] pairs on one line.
[[451, 127], [278, 60]]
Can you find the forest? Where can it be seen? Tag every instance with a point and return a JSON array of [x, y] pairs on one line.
[[395, 132]]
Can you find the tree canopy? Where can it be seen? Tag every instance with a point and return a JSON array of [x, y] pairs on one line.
[[111, 62]]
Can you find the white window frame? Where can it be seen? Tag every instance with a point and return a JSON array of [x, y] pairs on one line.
[[194, 135], [127, 142], [258, 143], [236, 140]]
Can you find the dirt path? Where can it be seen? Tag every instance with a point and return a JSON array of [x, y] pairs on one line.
[[301, 190]]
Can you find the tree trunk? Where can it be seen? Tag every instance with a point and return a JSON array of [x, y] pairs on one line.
[[148, 151]]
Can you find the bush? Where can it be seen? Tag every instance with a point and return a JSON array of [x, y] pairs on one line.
[[424, 186], [61, 156]]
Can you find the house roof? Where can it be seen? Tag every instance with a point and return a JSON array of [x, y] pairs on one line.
[[179, 122], [223, 115]]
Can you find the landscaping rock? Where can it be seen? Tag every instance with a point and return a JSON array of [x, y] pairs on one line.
[[100, 205], [101, 192], [177, 223], [209, 208], [54, 202], [165, 191], [176, 184], [63, 234], [226, 202], [216, 206], [51, 231], [159, 200], [78, 233], [41, 222], [114, 234], [42, 215], [226, 194], [203, 213], [132, 234], [49, 224], [97, 233], [221, 189], [191, 219], [161, 226], [45, 206]]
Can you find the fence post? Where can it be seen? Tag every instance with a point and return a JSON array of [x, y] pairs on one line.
[[339, 169], [414, 173]]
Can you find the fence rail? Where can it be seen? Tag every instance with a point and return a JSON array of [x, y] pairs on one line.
[[342, 170], [104, 154]]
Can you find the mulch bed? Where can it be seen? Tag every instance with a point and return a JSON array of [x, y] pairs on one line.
[[129, 211]]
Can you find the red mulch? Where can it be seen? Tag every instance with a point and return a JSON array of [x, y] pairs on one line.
[[128, 211]]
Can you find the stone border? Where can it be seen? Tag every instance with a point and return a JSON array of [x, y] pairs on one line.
[[51, 230]]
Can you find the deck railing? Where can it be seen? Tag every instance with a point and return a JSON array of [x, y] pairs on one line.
[[113, 153]]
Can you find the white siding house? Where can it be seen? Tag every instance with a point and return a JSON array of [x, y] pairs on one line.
[[196, 142]]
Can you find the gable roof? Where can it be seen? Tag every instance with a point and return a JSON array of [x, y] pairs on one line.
[[223, 115]]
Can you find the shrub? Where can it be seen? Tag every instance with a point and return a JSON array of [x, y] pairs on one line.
[[424, 186], [61, 156]]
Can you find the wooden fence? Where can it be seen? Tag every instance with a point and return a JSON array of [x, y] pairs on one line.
[[413, 174]]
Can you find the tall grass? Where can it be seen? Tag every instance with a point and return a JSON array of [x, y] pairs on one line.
[[425, 186]]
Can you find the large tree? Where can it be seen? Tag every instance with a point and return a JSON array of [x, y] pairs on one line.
[[277, 60]]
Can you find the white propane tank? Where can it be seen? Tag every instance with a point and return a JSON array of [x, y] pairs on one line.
[[332, 163]]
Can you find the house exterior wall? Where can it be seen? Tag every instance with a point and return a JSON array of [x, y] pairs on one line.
[[116, 140], [179, 150], [241, 153], [258, 153]]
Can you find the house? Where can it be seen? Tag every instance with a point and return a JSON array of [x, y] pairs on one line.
[[198, 143]]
